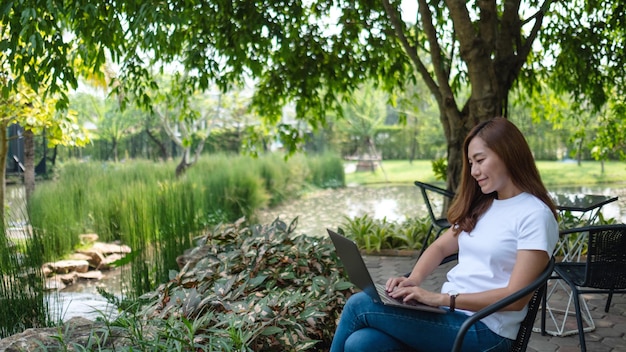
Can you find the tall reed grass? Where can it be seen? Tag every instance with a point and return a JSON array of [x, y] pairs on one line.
[[22, 301], [144, 205]]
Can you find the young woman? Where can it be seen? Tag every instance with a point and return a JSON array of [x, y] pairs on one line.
[[504, 230]]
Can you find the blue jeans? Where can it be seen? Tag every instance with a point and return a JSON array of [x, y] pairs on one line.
[[369, 326]]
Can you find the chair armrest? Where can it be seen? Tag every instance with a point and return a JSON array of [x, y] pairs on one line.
[[494, 307]]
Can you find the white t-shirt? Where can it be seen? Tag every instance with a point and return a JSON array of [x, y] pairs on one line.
[[487, 254]]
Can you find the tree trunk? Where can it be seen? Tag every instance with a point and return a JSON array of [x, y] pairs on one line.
[[414, 136], [114, 150], [184, 163], [29, 163], [160, 145], [4, 149]]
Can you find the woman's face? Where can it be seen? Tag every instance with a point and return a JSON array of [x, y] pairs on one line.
[[489, 170]]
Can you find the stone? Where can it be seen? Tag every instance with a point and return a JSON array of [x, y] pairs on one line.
[[79, 256], [110, 248], [68, 279], [90, 275], [95, 258], [67, 266], [106, 262], [77, 331], [54, 284]]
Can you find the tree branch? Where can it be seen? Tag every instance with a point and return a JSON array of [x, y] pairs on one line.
[[534, 32], [397, 24]]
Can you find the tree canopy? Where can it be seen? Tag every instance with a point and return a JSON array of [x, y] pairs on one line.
[[312, 52]]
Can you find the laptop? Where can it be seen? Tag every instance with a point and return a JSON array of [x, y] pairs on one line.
[[352, 260]]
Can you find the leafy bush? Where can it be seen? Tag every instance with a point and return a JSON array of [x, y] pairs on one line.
[[257, 288], [374, 235]]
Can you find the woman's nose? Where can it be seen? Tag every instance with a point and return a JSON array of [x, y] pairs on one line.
[[474, 171]]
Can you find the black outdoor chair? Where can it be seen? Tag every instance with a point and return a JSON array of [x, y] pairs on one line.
[[604, 270], [537, 288], [439, 223]]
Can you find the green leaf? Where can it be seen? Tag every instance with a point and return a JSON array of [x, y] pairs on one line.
[[271, 330], [343, 285], [256, 281]]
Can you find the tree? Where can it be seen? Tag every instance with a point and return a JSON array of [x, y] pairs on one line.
[[187, 117], [37, 117], [311, 53], [364, 115]]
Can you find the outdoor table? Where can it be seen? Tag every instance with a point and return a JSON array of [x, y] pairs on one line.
[[585, 208], [587, 205]]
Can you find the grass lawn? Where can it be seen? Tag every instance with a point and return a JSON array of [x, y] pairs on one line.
[[553, 173]]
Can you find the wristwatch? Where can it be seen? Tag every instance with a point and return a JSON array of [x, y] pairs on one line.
[[453, 294]]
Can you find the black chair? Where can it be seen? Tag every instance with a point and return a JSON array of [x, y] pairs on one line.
[[439, 223], [604, 270], [537, 288]]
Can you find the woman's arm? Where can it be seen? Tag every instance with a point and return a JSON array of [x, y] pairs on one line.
[[528, 265], [445, 245]]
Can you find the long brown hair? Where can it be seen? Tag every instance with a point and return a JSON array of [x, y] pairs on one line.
[[506, 140]]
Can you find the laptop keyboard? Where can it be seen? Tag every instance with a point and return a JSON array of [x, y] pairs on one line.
[[384, 296]]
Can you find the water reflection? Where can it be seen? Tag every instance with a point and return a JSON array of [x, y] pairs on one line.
[[83, 299], [329, 208]]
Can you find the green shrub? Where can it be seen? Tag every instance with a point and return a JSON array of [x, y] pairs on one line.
[[374, 235], [257, 288], [326, 171]]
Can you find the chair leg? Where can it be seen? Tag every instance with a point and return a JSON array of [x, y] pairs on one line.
[[608, 302], [579, 320], [544, 306]]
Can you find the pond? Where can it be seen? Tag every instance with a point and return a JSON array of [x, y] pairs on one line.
[[329, 208]]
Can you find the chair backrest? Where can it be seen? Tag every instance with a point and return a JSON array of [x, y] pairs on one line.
[[526, 327], [606, 257], [428, 192]]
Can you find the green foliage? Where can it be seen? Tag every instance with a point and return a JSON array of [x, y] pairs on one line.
[[553, 173], [257, 288], [144, 206], [374, 235], [293, 58], [326, 171], [22, 298], [440, 168]]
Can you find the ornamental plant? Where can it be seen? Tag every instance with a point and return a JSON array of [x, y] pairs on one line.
[[244, 288]]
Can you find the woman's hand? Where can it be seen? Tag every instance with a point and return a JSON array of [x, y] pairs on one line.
[[407, 293], [395, 282]]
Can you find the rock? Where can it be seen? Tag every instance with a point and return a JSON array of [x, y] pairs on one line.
[[46, 271], [68, 279], [98, 257], [95, 258], [78, 256], [106, 263], [110, 248], [67, 266], [90, 275], [75, 332], [54, 284]]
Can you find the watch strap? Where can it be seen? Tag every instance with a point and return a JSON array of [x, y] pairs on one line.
[[453, 301]]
